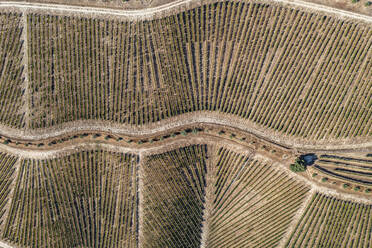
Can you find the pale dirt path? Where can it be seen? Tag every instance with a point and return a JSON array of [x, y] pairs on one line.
[[181, 142], [5, 245], [149, 13], [140, 199], [194, 118]]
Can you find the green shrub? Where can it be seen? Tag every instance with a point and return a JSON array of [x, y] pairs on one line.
[[315, 174], [346, 186], [324, 179], [368, 190], [298, 166], [184, 133]]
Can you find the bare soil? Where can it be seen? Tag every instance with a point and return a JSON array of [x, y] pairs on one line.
[[358, 7]]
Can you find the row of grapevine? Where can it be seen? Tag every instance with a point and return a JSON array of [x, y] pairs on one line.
[[173, 197], [331, 222], [86, 199], [11, 69], [253, 203], [349, 169], [91, 199], [300, 73], [7, 173]]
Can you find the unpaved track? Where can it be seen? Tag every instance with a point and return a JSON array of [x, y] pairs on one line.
[[149, 13], [5, 245], [181, 142], [194, 118]]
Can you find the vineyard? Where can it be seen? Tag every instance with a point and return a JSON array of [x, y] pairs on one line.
[[331, 222], [166, 131], [88, 199], [279, 67], [11, 69], [253, 204], [173, 197], [179, 197], [357, 169], [7, 168]]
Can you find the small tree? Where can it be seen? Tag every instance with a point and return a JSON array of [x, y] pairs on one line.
[[298, 166]]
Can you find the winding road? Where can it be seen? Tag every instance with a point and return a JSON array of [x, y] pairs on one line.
[[148, 13]]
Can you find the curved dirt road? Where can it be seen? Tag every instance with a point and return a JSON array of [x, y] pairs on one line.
[[148, 13]]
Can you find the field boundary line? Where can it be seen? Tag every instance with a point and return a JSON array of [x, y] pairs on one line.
[[296, 218], [151, 13]]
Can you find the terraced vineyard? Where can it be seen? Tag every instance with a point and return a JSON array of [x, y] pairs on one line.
[[87, 199], [331, 222], [281, 68], [349, 169]]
